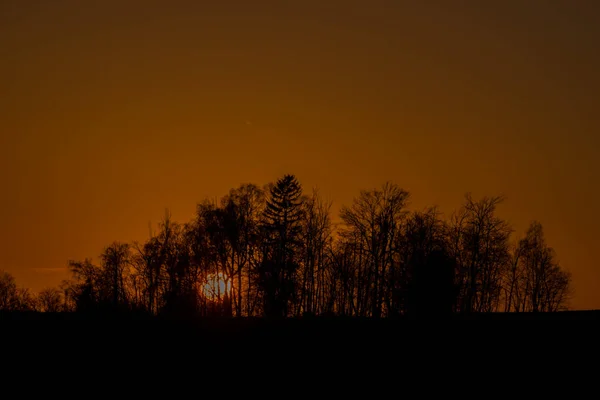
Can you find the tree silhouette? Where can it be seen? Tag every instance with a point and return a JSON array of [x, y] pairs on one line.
[[316, 240], [242, 209], [115, 262], [373, 222], [479, 244], [85, 289], [8, 291], [427, 270], [50, 300], [13, 298], [274, 252], [536, 281], [282, 227]]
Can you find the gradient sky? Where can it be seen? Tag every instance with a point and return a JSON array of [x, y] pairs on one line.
[[112, 111]]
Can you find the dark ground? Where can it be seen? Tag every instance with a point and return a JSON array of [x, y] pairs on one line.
[[477, 340], [333, 327], [10, 317]]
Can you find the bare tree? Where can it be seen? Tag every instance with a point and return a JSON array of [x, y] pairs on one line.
[[316, 237], [537, 282], [50, 300], [243, 207], [87, 286], [373, 221], [115, 263], [147, 263], [8, 292], [479, 244], [12, 297], [424, 279]]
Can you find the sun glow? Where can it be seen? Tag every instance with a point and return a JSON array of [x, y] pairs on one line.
[[216, 286]]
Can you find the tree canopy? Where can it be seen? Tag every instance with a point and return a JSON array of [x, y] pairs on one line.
[[273, 251]]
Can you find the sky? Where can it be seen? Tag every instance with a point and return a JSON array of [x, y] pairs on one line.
[[113, 111]]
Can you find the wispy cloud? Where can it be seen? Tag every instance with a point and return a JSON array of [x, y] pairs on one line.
[[50, 270]]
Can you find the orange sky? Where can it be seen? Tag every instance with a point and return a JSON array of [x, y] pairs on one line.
[[111, 111]]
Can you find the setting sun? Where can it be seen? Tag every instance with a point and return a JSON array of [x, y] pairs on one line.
[[216, 286]]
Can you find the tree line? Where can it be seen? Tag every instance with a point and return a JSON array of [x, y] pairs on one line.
[[273, 251]]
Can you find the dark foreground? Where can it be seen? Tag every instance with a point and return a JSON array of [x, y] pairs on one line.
[[11, 317], [241, 328], [454, 339]]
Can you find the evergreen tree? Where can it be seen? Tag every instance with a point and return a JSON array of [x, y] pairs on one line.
[[282, 225]]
